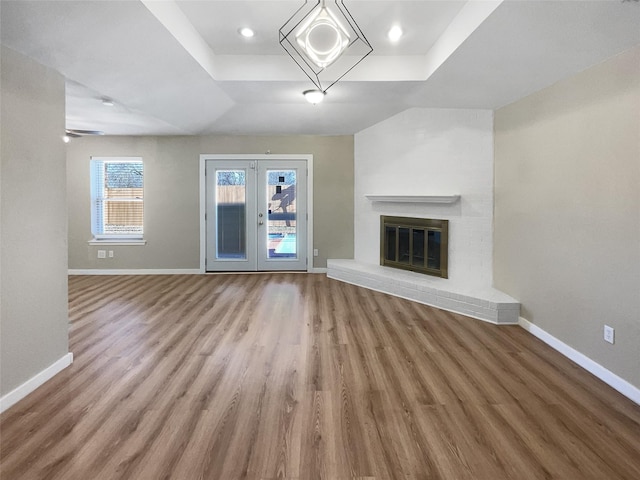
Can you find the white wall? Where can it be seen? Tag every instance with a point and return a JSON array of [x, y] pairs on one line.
[[430, 152]]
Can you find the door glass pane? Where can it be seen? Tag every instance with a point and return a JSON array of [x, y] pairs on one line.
[[231, 206], [390, 243], [433, 250], [418, 248], [281, 222], [403, 245]]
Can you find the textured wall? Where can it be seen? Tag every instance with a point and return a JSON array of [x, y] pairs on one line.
[[567, 210], [430, 152]]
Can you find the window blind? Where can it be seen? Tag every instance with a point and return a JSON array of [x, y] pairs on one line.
[[117, 193]]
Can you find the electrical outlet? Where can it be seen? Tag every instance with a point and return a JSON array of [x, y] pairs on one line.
[[102, 254], [609, 334], [110, 253], [315, 252]]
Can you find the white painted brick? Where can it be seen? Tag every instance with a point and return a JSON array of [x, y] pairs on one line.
[[427, 298], [456, 141], [487, 304]]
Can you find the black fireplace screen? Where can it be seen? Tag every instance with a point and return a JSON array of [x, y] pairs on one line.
[[416, 244]]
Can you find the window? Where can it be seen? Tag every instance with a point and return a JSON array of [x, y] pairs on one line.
[[117, 198]]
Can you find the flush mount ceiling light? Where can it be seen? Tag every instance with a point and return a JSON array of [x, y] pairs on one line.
[[314, 96], [107, 102], [324, 40]]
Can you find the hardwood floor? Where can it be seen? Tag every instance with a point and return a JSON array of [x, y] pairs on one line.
[[295, 376]]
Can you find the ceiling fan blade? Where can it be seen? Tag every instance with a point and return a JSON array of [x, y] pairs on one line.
[[74, 133]]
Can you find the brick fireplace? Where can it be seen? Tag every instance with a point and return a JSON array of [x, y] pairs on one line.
[[403, 167]]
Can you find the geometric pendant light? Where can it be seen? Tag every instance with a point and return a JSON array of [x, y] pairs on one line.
[[325, 41]]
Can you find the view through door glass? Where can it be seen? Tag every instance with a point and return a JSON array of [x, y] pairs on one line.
[[281, 214], [256, 215], [231, 206]]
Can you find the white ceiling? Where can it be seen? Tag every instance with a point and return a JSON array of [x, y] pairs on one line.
[[181, 68]]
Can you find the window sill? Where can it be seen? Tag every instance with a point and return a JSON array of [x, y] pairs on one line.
[[122, 242]]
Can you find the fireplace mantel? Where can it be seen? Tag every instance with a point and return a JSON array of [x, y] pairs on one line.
[[414, 198]]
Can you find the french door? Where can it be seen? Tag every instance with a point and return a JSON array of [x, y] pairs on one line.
[[256, 215]]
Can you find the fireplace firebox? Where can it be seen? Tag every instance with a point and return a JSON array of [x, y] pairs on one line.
[[416, 244]]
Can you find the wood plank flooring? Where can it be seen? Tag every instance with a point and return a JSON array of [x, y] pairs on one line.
[[296, 376]]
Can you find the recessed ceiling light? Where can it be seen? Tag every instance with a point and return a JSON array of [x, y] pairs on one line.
[[395, 33], [66, 138], [246, 32], [314, 96]]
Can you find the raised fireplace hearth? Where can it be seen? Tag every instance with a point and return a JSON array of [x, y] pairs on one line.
[[484, 303], [415, 244]]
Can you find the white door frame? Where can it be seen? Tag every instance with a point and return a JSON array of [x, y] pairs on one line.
[[254, 157]]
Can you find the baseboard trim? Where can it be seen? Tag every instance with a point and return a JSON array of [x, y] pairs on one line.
[[141, 271], [34, 382], [318, 270], [153, 271], [608, 377]]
